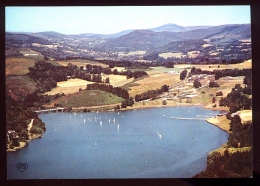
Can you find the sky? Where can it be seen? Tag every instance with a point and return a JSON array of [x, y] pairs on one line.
[[114, 19]]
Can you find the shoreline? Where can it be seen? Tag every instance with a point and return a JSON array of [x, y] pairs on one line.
[[214, 121], [25, 142], [139, 105], [219, 121]]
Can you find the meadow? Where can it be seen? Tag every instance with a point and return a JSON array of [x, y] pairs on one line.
[[19, 65], [88, 98]]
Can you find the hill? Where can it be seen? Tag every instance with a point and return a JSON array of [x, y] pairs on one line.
[[224, 42], [19, 39], [88, 98], [19, 65], [155, 38], [140, 40], [169, 28]]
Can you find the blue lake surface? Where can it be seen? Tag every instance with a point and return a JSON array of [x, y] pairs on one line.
[[142, 143]]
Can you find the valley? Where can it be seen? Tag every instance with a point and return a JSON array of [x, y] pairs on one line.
[[170, 65]]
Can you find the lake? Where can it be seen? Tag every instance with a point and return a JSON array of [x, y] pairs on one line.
[[142, 143]]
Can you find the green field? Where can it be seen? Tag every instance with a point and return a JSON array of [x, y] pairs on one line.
[[89, 98]]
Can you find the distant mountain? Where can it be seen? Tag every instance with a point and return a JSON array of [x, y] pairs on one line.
[[232, 32], [48, 35], [149, 40], [196, 27], [22, 38], [140, 40], [169, 28], [130, 40]]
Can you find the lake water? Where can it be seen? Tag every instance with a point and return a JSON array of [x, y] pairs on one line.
[[143, 143]]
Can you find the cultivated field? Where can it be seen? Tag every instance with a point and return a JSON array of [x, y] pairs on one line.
[[118, 80], [151, 83], [245, 40], [119, 69], [69, 87], [246, 64], [171, 54], [79, 63], [245, 115], [26, 51], [140, 52], [160, 70], [206, 45]]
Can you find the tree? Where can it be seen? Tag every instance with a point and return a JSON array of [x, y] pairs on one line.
[[170, 65], [213, 84], [219, 93], [164, 102], [24, 134], [46, 58], [15, 142], [107, 80], [165, 88], [196, 83], [213, 99], [115, 71], [183, 74]]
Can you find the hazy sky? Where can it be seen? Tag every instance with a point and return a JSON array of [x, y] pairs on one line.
[[113, 19]]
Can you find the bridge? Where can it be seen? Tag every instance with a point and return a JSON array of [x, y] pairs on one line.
[[49, 110]]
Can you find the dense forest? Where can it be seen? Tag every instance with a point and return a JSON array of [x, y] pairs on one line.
[[228, 165], [18, 117], [240, 163]]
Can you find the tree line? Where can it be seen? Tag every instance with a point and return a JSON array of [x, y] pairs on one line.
[[151, 94], [123, 93], [47, 75]]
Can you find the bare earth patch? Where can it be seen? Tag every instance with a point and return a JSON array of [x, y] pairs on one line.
[[18, 65]]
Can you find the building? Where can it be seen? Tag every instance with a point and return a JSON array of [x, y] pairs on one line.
[[11, 134]]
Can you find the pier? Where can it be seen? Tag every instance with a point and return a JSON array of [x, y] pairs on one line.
[[49, 110], [188, 118]]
